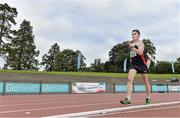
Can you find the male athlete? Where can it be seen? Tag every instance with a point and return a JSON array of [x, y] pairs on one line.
[[138, 64]]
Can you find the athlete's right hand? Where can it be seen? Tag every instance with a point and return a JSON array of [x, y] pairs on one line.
[[130, 45]]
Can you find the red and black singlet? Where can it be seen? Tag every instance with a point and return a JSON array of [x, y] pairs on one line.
[[137, 59]]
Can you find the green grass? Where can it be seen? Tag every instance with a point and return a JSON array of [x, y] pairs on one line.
[[114, 75]]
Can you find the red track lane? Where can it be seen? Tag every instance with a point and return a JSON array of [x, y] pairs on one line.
[[48, 105]]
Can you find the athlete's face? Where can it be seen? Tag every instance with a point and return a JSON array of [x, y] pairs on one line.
[[135, 36]]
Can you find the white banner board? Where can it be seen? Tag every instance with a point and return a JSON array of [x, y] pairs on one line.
[[82, 87], [174, 88]]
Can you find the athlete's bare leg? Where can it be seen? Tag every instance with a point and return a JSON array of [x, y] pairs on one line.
[[147, 85], [131, 75]]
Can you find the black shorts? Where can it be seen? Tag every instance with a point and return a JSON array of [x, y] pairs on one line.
[[139, 68]]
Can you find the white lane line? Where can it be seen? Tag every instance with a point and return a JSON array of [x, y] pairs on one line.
[[152, 109], [92, 113], [45, 102], [29, 101], [41, 97], [68, 106]]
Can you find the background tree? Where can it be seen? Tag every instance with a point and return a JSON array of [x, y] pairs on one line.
[[62, 61], [149, 48], [69, 60], [7, 19], [163, 67], [52, 60], [178, 60], [107, 67], [117, 55], [21, 50], [177, 65], [97, 66]]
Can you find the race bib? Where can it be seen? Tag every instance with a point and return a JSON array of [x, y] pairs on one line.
[[132, 54]]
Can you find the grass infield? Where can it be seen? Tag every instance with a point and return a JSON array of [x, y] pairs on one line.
[[96, 74]]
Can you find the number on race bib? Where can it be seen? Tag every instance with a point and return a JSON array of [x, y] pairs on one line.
[[132, 54]]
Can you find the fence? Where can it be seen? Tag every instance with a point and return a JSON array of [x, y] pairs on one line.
[[33, 87], [46, 87], [160, 88]]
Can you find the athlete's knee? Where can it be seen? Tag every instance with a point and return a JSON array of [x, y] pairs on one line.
[[130, 80], [146, 81]]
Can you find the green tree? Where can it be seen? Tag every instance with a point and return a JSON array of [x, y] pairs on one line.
[[7, 19], [163, 67], [178, 60], [62, 61], [177, 68], [177, 65], [117, 55], [69, 60], [52, 60], [21, 50], [107, 66], [149, 48], [152, 68], [97, 66]]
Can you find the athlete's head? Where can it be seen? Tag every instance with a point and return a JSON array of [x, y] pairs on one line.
[[135, 34]]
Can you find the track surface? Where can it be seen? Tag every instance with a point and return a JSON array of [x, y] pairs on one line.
[[50, 105]]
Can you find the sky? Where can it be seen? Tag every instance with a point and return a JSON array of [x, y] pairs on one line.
[[95, 26]]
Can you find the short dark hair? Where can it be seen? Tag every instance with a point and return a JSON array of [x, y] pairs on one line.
[[136, 30]]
